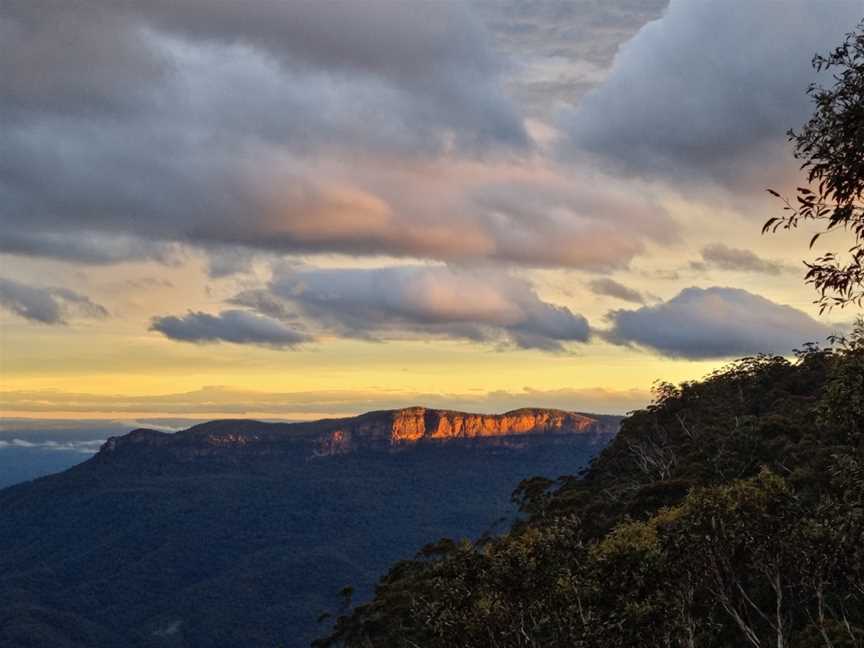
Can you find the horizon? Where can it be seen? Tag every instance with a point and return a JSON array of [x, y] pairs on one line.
[[327, 210], [440, 323]]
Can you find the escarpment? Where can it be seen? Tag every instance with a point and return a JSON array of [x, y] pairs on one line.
[[418, 423], [238, 532], [388, 430]]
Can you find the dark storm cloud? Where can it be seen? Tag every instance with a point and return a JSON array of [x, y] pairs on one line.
[[612, 288], [710, 88], [411, 301], [237, 326], [715, 323], [723, 257], [47, 305]]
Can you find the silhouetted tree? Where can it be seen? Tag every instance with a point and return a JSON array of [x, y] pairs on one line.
[[752, 537], [831, 149]]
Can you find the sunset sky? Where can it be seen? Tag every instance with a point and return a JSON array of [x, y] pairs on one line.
[[294, 209]]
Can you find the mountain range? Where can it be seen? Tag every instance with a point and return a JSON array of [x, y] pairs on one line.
[[241, 533]]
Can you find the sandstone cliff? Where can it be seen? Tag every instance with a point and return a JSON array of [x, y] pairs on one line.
[[383, 430]]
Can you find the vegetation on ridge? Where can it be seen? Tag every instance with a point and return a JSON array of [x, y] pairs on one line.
[[203, 542], [728, 513], [830, 147]]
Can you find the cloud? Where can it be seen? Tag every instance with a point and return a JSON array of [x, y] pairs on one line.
[[237, 326], [192, 123], [715, 323], [560, 48], [612, 288], [45, 304], [158, 123], [226, 402], [709, 90], [264, 302], [84, 447], [408, 301], [147, 283], [96, 248], [226, 262], [266, 198], [723, 257], [377, 54], [543, 217]]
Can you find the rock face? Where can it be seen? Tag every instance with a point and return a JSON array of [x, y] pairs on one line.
[[418, 423], [240, 533], [389, 430]]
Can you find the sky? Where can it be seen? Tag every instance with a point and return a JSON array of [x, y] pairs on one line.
[[294, 209]]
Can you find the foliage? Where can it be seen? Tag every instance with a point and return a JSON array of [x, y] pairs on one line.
[[242, 551], [831, 147], [728, 513]]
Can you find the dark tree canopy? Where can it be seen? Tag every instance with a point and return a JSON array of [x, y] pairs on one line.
[[727, 514], [831, 149]]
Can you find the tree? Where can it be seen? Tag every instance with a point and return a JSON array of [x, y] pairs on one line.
[[753, 537], [831, 149]]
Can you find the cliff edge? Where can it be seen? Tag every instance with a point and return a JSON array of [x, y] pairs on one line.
[[380, 430]]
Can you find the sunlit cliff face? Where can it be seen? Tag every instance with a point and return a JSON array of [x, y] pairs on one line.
[[418, 423], [301, 209], [381, 431]]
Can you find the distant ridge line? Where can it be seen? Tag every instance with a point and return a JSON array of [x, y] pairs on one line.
[[379, 429]]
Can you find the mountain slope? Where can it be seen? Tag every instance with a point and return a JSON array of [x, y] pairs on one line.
[[728, 513], [240, 532]]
